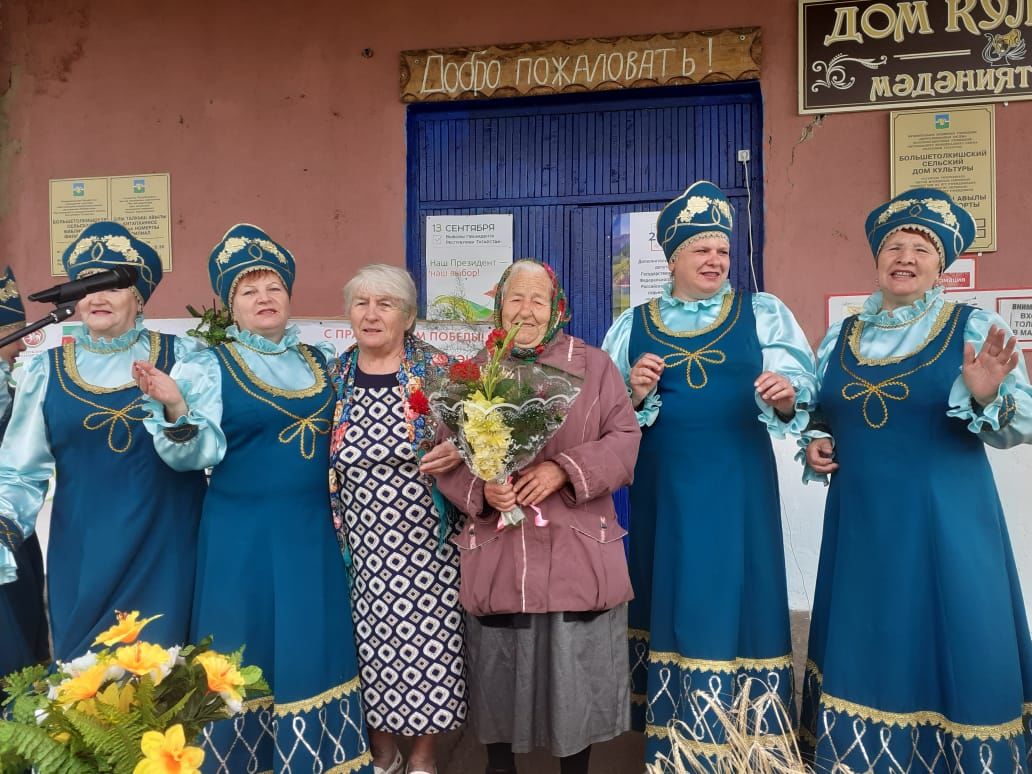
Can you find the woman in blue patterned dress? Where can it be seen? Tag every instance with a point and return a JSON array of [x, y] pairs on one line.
[[713, 373], [919, 658], [394, 526], [23, 619], [269, 576], [123, 529]]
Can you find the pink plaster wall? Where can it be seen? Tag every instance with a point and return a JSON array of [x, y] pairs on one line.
[[266, 112]]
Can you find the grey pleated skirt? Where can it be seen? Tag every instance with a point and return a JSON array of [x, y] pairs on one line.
[[558, 684]]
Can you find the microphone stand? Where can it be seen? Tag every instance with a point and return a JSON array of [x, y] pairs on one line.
[[61, 312]]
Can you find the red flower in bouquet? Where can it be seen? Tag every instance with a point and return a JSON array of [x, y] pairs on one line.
[[464, 371], [496, 339], [418, 402]]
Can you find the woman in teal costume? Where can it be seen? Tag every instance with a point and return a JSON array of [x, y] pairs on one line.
[[714, 373], [23, 619], [269, 574], [123, 528], [919, 656]]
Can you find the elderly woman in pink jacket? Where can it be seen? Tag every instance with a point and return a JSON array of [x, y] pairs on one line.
[[547, 605]]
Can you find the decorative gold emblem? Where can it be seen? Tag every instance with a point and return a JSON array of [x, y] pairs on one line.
[[256, 248], [96, 245]]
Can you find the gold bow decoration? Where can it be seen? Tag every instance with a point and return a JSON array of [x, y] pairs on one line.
[[693, 360], [890, 389], [116, 419], [307, 429]]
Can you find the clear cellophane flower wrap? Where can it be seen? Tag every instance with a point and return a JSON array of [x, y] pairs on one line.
[[503, 412]]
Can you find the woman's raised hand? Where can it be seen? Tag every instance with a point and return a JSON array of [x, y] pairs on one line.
[[984, 373], [644, 376], [156, 384]]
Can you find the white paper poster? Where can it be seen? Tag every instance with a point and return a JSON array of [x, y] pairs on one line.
[[649, 271], [462, 340], [465, 258]]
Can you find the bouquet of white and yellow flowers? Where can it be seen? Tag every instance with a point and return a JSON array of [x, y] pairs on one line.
[[503, 412], [131, 707]]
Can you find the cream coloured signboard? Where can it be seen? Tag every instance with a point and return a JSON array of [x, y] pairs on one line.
[[954, 150], [591, 64], [139, 202]]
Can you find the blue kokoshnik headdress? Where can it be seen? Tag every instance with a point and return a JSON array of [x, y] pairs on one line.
[[12, 312], [243, 250], [930, 211], [105, 245], [701, 211]]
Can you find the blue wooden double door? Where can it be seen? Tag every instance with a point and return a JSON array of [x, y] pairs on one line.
[[566, 167]]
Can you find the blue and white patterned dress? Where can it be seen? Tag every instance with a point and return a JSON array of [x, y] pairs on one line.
[[404, 588]]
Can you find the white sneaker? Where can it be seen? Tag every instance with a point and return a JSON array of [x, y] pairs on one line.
[[396, 765]]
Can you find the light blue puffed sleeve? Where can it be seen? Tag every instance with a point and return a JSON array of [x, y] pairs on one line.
[[329, 352], [617, 345], [1007, 421], [814, 430], [194, 441], [26, 462], [787, 352], [187, 345]]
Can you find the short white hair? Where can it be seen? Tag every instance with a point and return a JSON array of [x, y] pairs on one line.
[[381, 279], [523, 266]]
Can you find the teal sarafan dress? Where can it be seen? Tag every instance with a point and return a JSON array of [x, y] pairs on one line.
[[707, 563], [123, 526], [919, 656], [270, 576]]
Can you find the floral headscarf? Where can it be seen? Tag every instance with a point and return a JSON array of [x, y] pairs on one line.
[[560, 314]]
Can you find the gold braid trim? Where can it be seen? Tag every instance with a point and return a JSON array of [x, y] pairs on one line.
[[858, 327], [303, 429], [893, 388], [996, 733], [324, 698], [68, 358], [725, 310], [718, 748], [638, 634], [639, 698], [354, 764], [344, 768], [263, 702], [703, 354], [812, 668], [729, 667], [104, 416], [318, 371]]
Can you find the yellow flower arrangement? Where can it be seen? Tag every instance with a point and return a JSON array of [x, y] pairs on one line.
[[127, 710], [142, 658], [125, 631], [487, 435], [82, 687], [168, 753], [503, 411], [223, 676]]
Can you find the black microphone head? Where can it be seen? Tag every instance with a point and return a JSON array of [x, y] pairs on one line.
[[126, 276]]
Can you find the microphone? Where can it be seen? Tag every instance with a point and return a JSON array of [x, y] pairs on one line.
[[118, 277]]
